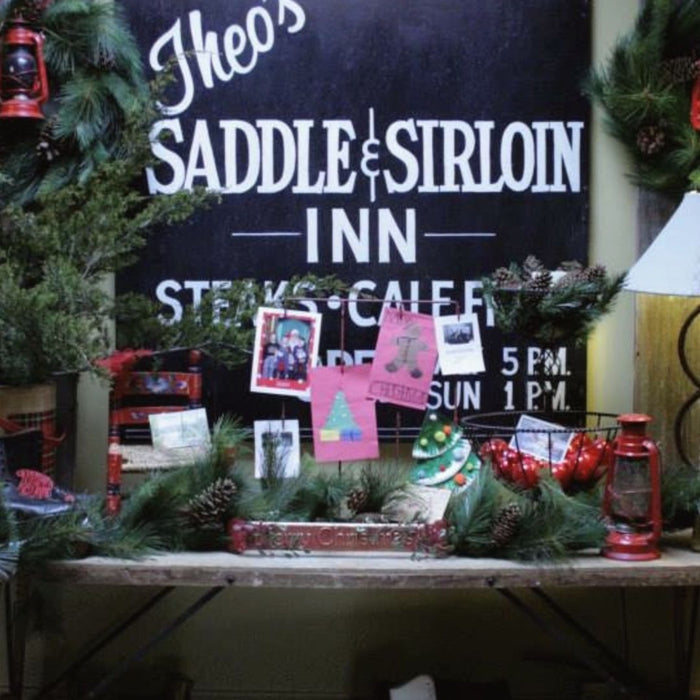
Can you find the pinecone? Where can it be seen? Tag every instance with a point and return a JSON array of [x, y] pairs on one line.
[[539, 283], [570, 266], [532, 265], [106, 59], [679, 70], [506, 524], [504, 278], [357, 499], [651, 139], [31, 10], [46, 147], [595, 274], [570, 279], [206, 509]]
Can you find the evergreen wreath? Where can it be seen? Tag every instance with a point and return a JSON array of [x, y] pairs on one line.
[[645, 90], [96, 81]]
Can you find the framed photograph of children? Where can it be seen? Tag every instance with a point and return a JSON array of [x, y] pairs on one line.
[[285, 349]]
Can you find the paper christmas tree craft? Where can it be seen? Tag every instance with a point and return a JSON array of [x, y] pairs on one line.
[[344, 422], [340, 426], [437, 435], [454, 468]]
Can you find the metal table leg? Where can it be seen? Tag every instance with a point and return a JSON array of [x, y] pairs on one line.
[[606, 665]]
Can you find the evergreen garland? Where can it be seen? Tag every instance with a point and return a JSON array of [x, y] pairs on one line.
[[645, 91], [532, 301], [96, 84], [488, 519], [550, 524], [222, 324]]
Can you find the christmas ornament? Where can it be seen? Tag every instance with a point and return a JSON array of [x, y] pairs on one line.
[[695, 105], [437, 435], [454, 468]]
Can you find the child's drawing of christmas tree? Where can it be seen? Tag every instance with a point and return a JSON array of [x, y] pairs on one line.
[[340, 425]]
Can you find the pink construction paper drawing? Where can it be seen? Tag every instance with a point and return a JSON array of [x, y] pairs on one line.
[[404, 359], [344, 420]]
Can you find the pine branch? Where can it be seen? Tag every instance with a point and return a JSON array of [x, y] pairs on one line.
[[647, 104]]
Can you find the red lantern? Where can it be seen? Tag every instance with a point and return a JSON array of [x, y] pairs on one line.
[[632, 499], [24, 85]]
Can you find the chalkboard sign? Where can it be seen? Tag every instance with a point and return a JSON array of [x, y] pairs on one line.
[[408, 147]]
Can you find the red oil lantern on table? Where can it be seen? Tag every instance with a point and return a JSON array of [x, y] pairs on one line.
[[24, 84], [632, 498]]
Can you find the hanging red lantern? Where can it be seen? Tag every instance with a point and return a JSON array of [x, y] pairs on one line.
[[24, 84], [632, 499]]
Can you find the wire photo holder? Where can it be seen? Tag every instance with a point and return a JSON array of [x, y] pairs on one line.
[[576, 450], [397, 432]]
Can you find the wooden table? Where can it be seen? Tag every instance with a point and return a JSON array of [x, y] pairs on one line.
[[679, 568]]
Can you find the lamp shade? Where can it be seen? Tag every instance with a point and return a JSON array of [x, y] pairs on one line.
[[671, 264]]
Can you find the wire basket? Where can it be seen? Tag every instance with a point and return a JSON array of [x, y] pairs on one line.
[[574, 446]]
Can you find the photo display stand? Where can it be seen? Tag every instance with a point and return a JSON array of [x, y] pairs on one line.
[[343, 366]]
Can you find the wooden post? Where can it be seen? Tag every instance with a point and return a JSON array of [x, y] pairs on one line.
[[661, 386]]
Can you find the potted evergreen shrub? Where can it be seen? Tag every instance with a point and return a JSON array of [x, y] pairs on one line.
[[72, 210]]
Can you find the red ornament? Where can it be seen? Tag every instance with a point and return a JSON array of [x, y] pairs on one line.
[[695, 105], [584, 466], [562, 472], [492, 449]]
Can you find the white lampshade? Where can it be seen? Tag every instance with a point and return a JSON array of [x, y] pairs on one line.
[[671, 264]]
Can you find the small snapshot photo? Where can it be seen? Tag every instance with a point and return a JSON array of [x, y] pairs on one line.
[[285, 349], [277, 453], [180, 429], [458, 333], [459, 344], [540, 438]]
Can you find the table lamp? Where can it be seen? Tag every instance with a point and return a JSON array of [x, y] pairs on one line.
[[671, 266]]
